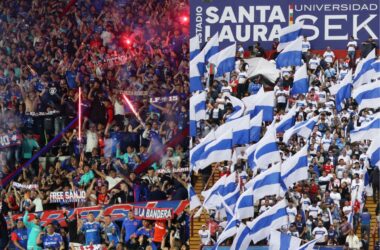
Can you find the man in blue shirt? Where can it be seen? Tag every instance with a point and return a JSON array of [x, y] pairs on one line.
[[130, 226], [365, 220], [146, 230], [111, 230], [51, 239], [91, 230], [19, 236]]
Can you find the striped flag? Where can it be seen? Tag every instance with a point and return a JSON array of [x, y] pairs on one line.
[[282, 241]]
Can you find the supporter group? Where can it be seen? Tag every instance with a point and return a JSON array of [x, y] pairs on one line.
[[110, 50], [328, 206]]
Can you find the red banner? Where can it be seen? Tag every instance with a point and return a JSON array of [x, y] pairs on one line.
[[117, 212]]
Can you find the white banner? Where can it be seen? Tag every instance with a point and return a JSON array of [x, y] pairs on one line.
[[67, 197], [23, 186]]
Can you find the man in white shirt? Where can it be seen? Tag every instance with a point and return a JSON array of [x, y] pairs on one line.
[[205, 235], [320, 232], [335, 196], [305, 45], [329, 55], [351, 48], [292, 212], [91, 139], [281, 97], [264, 207], [314, 62]]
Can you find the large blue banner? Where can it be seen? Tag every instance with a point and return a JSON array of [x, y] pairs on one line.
[[326, 23]]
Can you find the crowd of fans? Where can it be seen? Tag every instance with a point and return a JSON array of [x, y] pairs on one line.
[[322, 204], [48, 49]]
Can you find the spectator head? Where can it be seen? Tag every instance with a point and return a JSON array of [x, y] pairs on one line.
[[145, 223], [107, 220], [50, 228], [320, 223], [20, 224], [90, 217], [36, 220]]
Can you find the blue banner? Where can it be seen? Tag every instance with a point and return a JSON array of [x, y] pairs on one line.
[[326, 23]]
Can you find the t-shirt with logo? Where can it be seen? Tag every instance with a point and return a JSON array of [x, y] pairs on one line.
[[21, 236], [113, 233], [130, 227], [52, 241], [92, 232]]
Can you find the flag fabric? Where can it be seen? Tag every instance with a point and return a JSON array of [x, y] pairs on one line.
[[244, 205], [242, 239], [229, 231], [255, 125], [283, 241], [230, 191], [364, 70], [240, 130], [266, 183], [342, 91], [367, 95], [373, 151], [302, 129], [211, 48], [288, 35], [366, 131], [295, 168], [301, 81], [210, 195], [229, 213], [224, 60], [238, 107], [291, 55], [194, 199], [261, 101], [272, 219], [217, 151], [265, 151], [376, 67], [261, 66], [287, 120], [309, 245], [196, 152], [194, 46], [197, 110], [195, 74]]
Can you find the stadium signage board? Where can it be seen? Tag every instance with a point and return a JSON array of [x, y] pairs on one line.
[[326, 23], [153, 213]]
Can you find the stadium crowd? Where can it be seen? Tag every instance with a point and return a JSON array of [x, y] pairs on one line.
[[322, 204], [48, 49]]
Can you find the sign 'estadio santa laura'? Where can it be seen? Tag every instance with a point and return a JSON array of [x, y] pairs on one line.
[[326, 23]]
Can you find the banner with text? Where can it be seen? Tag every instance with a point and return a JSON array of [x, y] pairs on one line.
[[153, 213], [328, 23], [117, 212], [67, 197]]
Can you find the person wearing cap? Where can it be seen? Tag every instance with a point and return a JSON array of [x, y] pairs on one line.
[[34, 229], [19, 236]]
